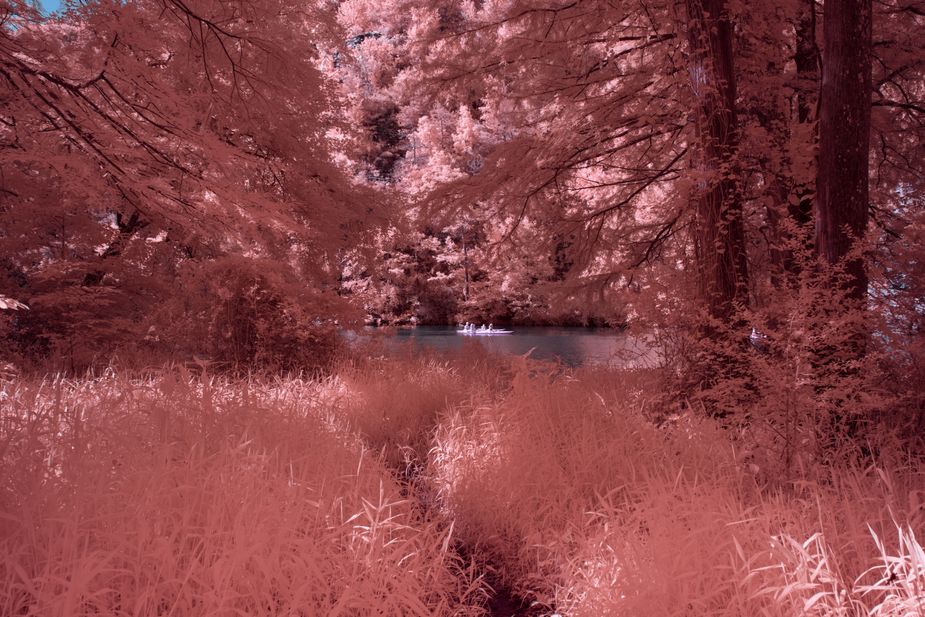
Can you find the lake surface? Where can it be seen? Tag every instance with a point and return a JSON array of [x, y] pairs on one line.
[[571, 346]]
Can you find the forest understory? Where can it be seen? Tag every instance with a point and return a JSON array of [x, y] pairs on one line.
[[464, 485]]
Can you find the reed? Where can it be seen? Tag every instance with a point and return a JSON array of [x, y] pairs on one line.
[[179, 496], [405, 486]]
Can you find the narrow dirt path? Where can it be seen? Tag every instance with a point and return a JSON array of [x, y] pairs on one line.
[[503, 602]]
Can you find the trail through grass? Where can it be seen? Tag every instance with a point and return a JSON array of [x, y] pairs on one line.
[[396, 486]]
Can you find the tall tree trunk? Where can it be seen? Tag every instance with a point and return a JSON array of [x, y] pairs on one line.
[[720, 231], [842, 202], [842, 206], [800, 205], [798, 184], [807, 61]]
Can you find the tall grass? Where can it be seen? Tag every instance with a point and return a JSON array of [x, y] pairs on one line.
[[590, 509], [179, 496], [360, 494], [395, 406]]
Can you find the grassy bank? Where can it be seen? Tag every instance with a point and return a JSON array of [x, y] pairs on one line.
[[402, 487]]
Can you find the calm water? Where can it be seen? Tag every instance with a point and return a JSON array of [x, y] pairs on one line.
[[571, 346]]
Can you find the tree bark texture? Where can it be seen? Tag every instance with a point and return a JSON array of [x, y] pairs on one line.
[[798, 193], [807, 61], [720, 241], [842, 201]]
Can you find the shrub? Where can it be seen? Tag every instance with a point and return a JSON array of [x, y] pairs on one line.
[[248, 315]]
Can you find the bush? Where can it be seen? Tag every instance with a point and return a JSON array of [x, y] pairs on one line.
[[248, 315]]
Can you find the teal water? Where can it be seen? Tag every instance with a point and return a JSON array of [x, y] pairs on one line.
[[570, 346]]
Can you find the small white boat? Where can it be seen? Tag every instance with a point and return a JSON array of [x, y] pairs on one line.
[[476, 332]]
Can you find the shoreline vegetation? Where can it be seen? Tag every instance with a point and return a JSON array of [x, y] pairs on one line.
[[463, 484], [569, 321]]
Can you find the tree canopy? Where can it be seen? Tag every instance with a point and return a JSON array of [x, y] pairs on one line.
[[712, 167]]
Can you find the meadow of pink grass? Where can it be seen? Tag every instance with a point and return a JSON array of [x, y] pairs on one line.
[[395, 486]]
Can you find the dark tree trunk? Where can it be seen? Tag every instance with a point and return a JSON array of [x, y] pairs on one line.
[[807, 61], [842, 202], [794, 188], [800, 203], [720, 231], [842, 205]]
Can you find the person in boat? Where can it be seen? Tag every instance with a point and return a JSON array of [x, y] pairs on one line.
[[490, 327]]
